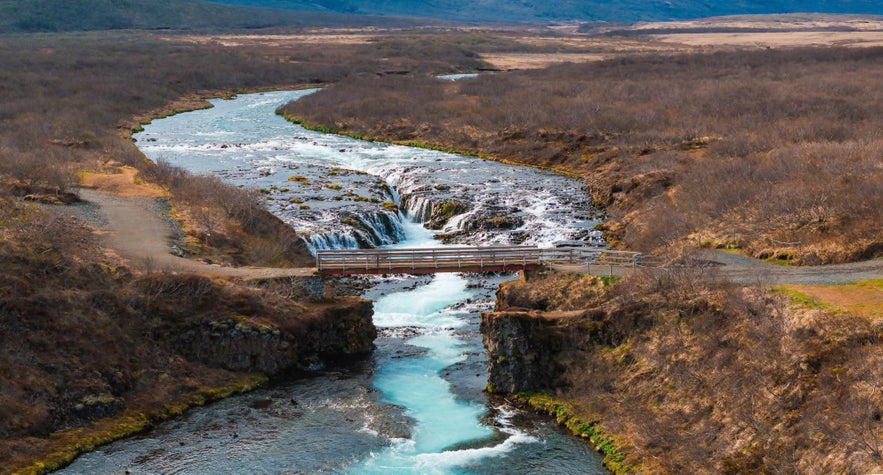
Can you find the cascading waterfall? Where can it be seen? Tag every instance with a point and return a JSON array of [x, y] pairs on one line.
[[426, 412], [368, 229], [418, 207]]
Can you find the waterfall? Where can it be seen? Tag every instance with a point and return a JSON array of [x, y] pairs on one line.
[[360, 230], [417, 206], [420, 408]]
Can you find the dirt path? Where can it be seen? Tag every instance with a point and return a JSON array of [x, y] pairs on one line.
[[132, 228], [747, 271]]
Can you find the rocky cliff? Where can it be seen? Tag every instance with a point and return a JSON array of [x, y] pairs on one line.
[[115, 352], [523, 350], [692, 375], [337, 331]]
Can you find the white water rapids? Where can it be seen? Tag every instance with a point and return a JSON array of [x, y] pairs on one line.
[[429, 367]]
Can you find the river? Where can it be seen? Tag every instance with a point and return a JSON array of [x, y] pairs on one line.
[[417, 405]]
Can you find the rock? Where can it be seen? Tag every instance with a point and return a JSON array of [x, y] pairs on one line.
[[519, 357], [442, 212], [345, 328], [496, 218], [95, 406]]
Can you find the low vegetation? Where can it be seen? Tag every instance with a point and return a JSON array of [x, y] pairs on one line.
[[775, 152], [227, 224], [694, 375], [82, 338]]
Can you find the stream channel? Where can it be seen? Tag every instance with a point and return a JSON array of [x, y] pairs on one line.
[[417, 404]]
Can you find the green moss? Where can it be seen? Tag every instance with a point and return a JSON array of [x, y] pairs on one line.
[[607, 445], [333, 186], [300, 179], [67, 445], [449, 209], [351, 222], [391, 206]]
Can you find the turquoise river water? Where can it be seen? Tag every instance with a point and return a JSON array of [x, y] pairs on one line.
[[417, 405]]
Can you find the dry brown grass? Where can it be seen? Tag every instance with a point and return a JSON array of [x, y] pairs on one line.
[[120, 181], [697, 376], [862, 299]]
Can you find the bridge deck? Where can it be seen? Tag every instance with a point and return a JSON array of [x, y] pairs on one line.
[[466, 259]]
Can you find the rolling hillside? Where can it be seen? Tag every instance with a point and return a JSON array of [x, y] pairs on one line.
[[570, 10]]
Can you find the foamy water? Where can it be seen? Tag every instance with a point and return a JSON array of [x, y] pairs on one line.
[[246, 143], [418, 406]]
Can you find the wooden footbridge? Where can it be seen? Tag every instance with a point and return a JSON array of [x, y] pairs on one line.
[[471, 259]]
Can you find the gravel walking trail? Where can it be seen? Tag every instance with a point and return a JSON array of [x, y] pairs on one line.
[[747, 271], [133, 228]]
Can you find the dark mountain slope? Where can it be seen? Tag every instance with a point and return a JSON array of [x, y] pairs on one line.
[[582, 10], [85, 15]]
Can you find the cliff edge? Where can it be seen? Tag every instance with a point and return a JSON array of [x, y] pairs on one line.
[[691, 374]]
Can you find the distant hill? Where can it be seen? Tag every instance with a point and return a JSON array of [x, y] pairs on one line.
[[78, 15], [84, 15], [570, 10]]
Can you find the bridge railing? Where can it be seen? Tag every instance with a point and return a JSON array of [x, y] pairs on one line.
[[447, 258], [473, 258]]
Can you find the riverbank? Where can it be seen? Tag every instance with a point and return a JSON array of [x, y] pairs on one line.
[[695, 375], [419, 144], [67, 445], [613, 450], [205, 340], [133, 346]]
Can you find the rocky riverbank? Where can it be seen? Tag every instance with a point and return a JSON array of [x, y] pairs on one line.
[[118, 352], [692, 375]]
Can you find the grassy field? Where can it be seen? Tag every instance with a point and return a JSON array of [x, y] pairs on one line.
[[862, 299]]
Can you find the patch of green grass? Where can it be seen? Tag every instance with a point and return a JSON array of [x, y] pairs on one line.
[[800, 298], [871, 283]]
